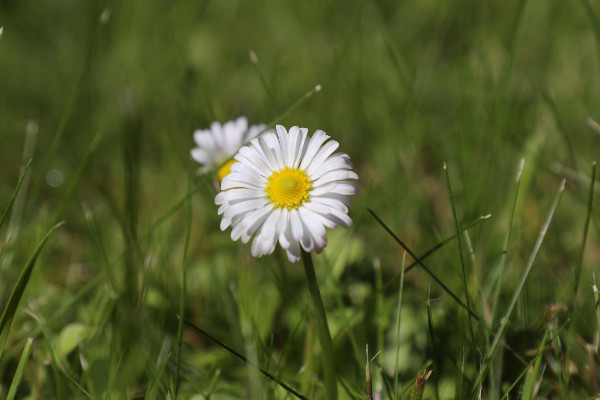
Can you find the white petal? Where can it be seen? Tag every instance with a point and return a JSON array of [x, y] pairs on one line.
[[283, 143], [204, 139], [321, 156], [313, 147], [300, 146], [201, 156], [248, 155], [246, 227], [336, 175], [293, 252], [296, 225], [328, 202], [316, 228]]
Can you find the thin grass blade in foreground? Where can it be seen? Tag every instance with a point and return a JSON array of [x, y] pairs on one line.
[[495, 367], [578, 266], [14, 385], [398, 321], [506, 319], [460, 252], [184, 268], [15, 193], [529, 391], [420, 261], [428, 253], [205, 334], [15, 297]]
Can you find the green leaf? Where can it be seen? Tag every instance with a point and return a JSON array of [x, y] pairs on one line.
[[70, 337]]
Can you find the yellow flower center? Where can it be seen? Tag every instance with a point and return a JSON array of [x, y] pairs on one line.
[[288, 188], [225, 170]]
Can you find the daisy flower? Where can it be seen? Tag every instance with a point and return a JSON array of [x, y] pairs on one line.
[[221, 142], [287, 188]]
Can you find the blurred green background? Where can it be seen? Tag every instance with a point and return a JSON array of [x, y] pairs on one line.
[[104, 97]]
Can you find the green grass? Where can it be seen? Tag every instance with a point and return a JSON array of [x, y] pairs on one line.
[[107, 94]]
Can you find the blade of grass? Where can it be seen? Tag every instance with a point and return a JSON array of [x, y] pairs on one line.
[[435, 355], [532, 376], [71, 102], [14, 385], [419, 387], [597, 298], [460, 252], [15, 297], [528, 365], [16, 215], [68, 193], [254, 61], [237, 354], [184, 269], [579, 265], [15, 193], [398, 321], [504, 258], [420, 262], [154, 383], [380, 318], [506, 319], [495, 366], [432, 250]]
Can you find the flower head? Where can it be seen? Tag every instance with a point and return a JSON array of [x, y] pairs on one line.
[[221, 142], [287, 188]]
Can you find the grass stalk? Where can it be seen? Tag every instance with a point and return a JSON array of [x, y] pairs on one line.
[[578, 266], [15, 193], [460, 252], [322, 328], [14, 385], [184, 270], [13, 302], [398, 321], [237, 354], [425, 268], [491, 352], [504, 258]]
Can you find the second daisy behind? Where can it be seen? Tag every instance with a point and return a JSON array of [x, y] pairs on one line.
[[287, 188]]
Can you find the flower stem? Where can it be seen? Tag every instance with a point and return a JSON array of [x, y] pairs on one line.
[[322, 327]]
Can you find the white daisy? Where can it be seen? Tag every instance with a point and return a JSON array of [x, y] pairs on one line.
[[287, 187], [221, 142]]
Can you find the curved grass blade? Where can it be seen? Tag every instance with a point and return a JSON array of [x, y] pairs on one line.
[[420, 262], [14, 385], [205, 334], [15, 193], [15, 297], [500, 333]]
